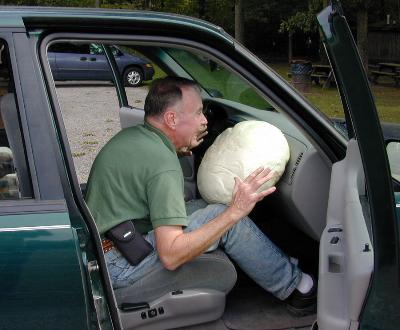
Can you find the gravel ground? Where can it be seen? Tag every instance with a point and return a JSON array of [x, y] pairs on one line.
[[90, 114]]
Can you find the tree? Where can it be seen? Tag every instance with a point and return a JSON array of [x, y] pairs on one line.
[[202, 9], [361, 8], [305, 21], [302, 20], [239, 21], [362, 31]]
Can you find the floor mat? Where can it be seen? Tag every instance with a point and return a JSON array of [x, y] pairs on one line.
[[255, 309]]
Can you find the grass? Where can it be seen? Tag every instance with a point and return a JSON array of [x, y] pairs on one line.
[[386, 94], [90, 143], [158, 73], [78, 154], [88, 134]]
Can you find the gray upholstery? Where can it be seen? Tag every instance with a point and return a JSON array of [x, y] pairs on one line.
[[187, 165], [345, 267], [178, 309], [209, 271], [202, 283], [9, 114], [130, 116]]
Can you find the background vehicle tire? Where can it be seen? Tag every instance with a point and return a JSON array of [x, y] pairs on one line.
[[133, 77]]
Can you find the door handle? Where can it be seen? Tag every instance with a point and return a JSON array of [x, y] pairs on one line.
[[92, 59], [83, 58]]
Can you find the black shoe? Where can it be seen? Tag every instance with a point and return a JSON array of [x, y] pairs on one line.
[[302, 304]]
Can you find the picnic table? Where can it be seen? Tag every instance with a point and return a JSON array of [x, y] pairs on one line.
[[391, 70], [322, 74]]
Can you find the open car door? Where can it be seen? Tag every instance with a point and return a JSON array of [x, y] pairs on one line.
[[358, 269]]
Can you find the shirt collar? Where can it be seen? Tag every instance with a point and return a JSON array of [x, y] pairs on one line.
[[162, 136]]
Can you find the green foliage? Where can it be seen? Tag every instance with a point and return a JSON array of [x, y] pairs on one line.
[[49, 3], [303, 19], [328, 100], [183, 7], [221, 13]]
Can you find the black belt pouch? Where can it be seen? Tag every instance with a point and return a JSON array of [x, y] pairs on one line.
[[129, 242]]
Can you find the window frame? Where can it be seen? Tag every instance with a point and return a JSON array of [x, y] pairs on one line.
[[26, 187]]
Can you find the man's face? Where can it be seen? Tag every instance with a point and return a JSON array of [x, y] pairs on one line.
[[191, 121]]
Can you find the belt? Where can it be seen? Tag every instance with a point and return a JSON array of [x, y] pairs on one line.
[[107, 245]]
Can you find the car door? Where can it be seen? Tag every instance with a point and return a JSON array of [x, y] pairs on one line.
[[98, 67], [71, 61], [359, 270], [50, 278], [39, 264]]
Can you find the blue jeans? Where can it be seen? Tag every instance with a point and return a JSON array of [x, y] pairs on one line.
[[253, 252]]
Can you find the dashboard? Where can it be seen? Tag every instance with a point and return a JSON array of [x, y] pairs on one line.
[[302, 192]]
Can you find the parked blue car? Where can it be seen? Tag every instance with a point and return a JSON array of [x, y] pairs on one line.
[[76, 61]]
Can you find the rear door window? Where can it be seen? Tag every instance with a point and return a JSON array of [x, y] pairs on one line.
[[14, 176]]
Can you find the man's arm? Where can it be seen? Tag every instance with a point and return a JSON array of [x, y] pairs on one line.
[[176, 247]]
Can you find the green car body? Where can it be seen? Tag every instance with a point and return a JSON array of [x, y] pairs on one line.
[[52, 267]]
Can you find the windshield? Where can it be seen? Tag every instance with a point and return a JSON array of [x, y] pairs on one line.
[[217, 80]]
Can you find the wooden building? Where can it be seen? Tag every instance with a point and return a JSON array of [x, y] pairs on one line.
[[384, 42]]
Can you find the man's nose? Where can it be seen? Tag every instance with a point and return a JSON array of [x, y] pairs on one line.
[[204, 120]]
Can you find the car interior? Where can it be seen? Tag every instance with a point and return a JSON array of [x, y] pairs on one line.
[[303, 217], [12, 163]]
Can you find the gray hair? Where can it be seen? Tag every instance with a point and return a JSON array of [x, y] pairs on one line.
[[165, 92]]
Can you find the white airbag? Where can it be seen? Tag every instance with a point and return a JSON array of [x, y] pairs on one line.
[[238, 151]]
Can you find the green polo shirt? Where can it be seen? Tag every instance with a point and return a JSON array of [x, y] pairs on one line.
[[137, 176]]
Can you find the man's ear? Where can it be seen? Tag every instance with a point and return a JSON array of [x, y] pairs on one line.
[[170, 119]]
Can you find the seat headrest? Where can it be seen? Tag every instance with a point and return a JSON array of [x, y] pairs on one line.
[[130, 116]]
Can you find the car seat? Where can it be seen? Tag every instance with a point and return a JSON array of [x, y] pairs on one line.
[[18, 181], [192, 294]]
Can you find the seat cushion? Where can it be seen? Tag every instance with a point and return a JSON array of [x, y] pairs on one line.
[[211, 270]]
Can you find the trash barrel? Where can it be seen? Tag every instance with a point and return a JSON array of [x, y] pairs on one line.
[[301, 75]]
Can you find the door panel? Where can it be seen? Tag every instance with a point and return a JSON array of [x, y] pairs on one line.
[[346, 253], [41, 274], [73, 66], [98, 67], [382, 300]]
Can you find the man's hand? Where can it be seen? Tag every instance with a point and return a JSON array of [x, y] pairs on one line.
[[245, 195], [175, 247], [196, 141]]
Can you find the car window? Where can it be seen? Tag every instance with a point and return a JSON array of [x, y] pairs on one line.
[[313, 78], [97, 49], [14, 179], [384, 76], [89, 106], [68, 47], [393, 151], [217, 80], [88, 99], [96, 103]]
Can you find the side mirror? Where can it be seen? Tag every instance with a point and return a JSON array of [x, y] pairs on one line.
[[393, 152]]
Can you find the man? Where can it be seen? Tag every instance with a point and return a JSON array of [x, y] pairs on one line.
[[137, 176]]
